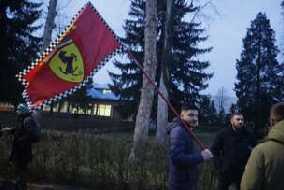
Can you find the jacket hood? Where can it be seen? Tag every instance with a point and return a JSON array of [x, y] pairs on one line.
[[277, 132], [175, 123]]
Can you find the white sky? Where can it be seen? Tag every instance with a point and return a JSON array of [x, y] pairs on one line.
[[226, 31]]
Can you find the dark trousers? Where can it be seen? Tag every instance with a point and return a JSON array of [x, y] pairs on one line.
[[21, 169], [225, 181]]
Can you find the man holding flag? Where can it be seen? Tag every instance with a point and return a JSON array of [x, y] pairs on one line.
[[184, 159]]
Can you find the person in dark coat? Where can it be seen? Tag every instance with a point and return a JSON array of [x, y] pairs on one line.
[[21, 153], [184, 159], [231, 149]]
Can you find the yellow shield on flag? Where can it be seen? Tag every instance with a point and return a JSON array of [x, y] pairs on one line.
[[67, 63]]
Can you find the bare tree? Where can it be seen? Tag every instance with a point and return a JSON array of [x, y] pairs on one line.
[[49, 23], [162, 109], [147, 91], [221, 99]]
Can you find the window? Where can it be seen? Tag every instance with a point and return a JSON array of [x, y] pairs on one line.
[[6, 106], [95, 109], [89, 109], [55, 107], [64, 107], [46, 107], [81, 110], [106, 91], [104, 110], [74, 110]]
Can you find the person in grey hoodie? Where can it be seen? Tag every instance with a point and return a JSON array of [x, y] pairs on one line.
[[184, 159]]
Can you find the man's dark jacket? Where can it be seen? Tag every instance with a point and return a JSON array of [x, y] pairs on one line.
[[21, 153], [183, 171], [231, 150]]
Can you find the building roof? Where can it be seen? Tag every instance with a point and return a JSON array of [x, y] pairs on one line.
[[101, 92]]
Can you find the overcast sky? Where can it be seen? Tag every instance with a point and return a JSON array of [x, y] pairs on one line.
[[225, 30]]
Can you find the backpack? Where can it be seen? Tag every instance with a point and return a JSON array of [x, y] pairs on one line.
[[34, 129]]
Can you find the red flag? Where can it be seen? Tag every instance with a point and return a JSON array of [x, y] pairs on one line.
[[71, 60]]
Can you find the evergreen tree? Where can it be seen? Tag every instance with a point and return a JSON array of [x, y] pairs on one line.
[[18, 44], [234, 108], [186, 72], [280, 74], [222, 117], [258, 83], [208, 114]]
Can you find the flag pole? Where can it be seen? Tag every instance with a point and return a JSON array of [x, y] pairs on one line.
[[195, 138]]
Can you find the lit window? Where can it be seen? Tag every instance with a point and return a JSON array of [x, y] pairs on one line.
[[89, 109], [106, 91], [64, 107], [46, 107], [104, 110], [81, 110], [6, 106], [55, 107], [95, 109], [74, 111]]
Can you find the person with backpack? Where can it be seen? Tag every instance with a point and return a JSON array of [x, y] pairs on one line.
[[25, 134]]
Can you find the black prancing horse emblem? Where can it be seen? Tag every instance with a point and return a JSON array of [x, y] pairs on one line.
[[68, 61]]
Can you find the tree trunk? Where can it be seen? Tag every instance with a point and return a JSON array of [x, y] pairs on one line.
[[162, 107], [147, 91], [162, 114], [49, 23]]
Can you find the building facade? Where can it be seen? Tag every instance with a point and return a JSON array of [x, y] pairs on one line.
[[100, 102]]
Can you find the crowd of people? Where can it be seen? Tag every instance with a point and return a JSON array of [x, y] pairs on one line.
[[239, 160]]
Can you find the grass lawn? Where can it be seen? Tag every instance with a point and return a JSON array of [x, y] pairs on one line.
[[206, 135]]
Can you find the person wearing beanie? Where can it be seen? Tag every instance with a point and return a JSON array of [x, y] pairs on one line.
[[21, 152], [22, 109]]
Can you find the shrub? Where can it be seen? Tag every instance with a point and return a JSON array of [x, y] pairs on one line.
[[98, 161]]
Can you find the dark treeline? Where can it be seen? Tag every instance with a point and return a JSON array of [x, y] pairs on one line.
[[259, 80], [19, 46]]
